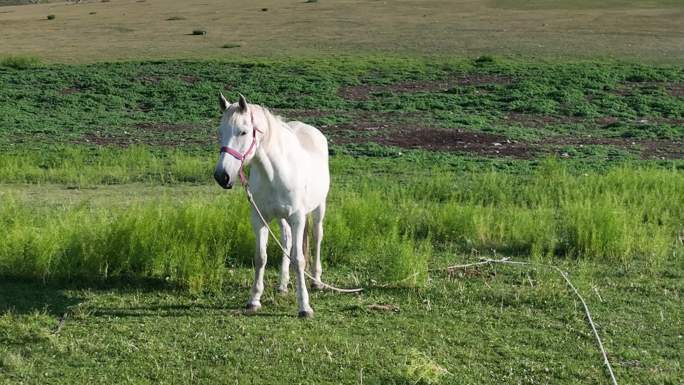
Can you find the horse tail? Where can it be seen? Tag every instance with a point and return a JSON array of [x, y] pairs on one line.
[[305, 240]]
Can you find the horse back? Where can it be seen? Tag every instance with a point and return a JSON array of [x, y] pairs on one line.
[[310, 138]]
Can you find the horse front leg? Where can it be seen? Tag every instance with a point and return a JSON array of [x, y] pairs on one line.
[[286, 241], [297, 223], [261, 234]]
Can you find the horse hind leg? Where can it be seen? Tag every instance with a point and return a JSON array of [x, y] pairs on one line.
[[261, 234], [286, 241], [297, 223], [317, 216]]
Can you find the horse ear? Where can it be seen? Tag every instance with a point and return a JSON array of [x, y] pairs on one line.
[[223, 103], [242, 103]]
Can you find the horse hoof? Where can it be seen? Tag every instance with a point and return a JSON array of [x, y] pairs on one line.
[[317, 285], [306, 314], [282, 290], [252, 308]]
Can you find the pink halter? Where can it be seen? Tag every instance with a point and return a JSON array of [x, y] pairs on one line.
[[241, 157]]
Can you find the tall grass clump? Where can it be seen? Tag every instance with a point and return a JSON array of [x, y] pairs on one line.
[[19, 62], [379, 225], [84, 167], [189, 242], [419, 368]]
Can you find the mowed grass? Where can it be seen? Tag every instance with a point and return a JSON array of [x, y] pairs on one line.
[[491, 325], [647, 31]]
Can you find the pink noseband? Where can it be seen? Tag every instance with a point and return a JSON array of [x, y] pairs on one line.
[[241, 157]]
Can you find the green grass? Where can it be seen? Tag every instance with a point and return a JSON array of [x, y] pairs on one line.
[[167, 103], [109, 215], [376, 226], [490, 325]]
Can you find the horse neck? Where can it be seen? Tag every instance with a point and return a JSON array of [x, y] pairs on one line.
[[269, 158]]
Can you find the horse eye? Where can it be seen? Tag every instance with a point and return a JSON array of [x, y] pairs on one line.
[[243, 133]]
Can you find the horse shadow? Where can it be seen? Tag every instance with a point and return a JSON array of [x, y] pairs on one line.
[[56, 299], [23, 297]]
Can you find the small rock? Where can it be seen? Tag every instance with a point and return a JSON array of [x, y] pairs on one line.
[[496, 144], [565, 155]]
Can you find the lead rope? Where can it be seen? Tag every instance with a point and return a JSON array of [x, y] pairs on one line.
[[250, 198], [563, 274]]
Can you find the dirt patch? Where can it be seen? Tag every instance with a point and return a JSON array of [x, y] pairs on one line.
[[381, 129], [155, 134], [364, 91], [647, 148], [149, 79], [675, 89], [190, 79], [540, 120], [411, 136], [70, 90], [127, 141], [290, 114], [167, 127], [459, 141]]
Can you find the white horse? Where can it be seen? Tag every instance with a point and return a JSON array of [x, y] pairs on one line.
[[289, 179]]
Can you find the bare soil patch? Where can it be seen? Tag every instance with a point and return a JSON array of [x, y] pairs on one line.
[[149, 79], [364, 91], [647, 148], [291, 114], [70, 90], [479, 143], [673, 88], [540, 120], [190, 79], [167, 127], [412, 135], [127, 141]]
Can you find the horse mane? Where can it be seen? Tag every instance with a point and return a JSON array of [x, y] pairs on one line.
[[271, 116]]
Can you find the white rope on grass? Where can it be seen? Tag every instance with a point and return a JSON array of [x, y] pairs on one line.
[[250, 198], [563, 274]]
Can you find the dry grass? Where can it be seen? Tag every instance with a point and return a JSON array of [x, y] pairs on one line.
[[128, 29]]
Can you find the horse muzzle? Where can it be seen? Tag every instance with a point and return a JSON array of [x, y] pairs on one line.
[[223, 179]]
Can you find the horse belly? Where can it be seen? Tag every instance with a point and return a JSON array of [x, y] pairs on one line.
[[317, 182]]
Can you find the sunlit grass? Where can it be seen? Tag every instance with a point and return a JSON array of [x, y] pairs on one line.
[[375, 225]]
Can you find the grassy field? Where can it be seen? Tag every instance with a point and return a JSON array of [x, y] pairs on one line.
[[112, 227], [624, 215], [647, 31], [545, 131], [603, 110]]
